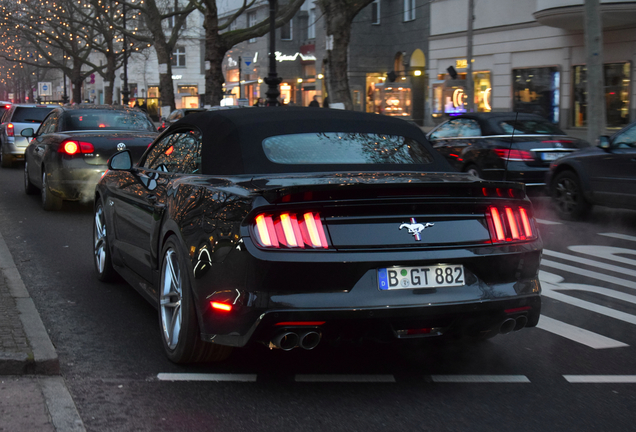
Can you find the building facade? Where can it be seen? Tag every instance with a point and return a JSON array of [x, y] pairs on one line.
[[530, 57]]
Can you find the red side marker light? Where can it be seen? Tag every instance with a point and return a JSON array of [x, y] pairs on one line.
[[221, 306]]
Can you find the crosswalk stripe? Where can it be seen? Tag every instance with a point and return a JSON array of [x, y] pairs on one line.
[[206, 377], [344, 378], [601, 379], [619, 236], [589, 262], [593, 307], [577, 334], [480, 378], [547, 222], [588, 273]]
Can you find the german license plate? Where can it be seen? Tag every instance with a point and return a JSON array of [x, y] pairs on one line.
[[551, 156], [437, 276]]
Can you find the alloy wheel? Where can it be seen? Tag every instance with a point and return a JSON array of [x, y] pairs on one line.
[[566, 195], [99, 240], [170, 299]]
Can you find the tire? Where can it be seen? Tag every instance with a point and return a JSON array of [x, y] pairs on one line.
[[178, 323], [50, 202], [101, 251], [6, 161], [473, 170], [567, 196], [29, 188]]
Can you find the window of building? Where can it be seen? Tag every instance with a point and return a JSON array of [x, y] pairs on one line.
[[375, 11], [450, 97], [409, 10], [233, 25], [617, 100], [192, 90], [179, 57], [173, 20], [537, 91], [251, 21], [286, 31], [311, 24]]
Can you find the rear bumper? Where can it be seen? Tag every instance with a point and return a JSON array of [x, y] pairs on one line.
[[74, 179]]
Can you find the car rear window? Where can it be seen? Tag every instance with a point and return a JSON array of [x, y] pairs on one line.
[[334, 148], [530, 127], [33, 114], [107, 120]]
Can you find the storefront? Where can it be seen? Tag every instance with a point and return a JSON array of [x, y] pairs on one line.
[[450, 94], [537, 91]]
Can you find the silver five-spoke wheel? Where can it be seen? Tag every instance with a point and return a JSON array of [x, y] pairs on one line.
[[170, 299]]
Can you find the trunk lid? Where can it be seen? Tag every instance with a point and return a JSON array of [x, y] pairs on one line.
[[107, 144]]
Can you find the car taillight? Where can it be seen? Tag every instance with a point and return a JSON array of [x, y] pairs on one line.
[[71, 147], [10, 129], [514, 155], [509, 224], [290, 230]]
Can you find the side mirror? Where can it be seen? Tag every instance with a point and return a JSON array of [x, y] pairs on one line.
[[28, 133], [603, 142], [120, 161]]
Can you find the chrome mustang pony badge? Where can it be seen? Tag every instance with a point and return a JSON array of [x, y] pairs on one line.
[[416, 228]]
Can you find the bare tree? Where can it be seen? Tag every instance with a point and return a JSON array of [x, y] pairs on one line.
[[339, 15]]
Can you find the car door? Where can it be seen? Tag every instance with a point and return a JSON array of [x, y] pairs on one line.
[[454, 139], [36, 150], [613, 174], [139, 207]]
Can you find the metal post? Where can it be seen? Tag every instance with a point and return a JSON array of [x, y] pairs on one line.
[[38, 99], [239, 79], [65, 96], [272, 80], [470, 83], [125, 92]]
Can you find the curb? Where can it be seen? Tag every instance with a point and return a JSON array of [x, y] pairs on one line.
[[43, 359]]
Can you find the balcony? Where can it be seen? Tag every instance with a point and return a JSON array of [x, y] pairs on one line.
[[568, 14]]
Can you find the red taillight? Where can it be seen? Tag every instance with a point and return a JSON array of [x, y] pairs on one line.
[[514, 155], [290, 230], [221, 306], [509, 224], [10, 129], [71, 147]]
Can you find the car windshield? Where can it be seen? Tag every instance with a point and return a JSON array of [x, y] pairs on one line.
[[107, 120], [344, 148], [530, 127], [30, 114]]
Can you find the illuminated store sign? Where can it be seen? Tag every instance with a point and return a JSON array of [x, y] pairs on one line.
[[305, 57]]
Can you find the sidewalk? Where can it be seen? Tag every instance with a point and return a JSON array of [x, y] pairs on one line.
[[33, 395]]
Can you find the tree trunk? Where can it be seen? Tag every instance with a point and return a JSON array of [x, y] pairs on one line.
[[77, 80], [166, 89], [111, 64], [338, 26], [214, 53]]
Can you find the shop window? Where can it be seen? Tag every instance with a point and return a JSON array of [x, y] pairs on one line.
[[375, 12], [192, 90], [537, 91], [409, 10], [286, 31], [285, 93], [450, 97], [179, 57], [153, 91], [617, 99]]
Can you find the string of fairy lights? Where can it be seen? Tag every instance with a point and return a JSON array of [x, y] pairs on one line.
[[37, 35]]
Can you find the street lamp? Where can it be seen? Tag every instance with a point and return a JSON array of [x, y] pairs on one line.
[[272, 80], [124, 91]]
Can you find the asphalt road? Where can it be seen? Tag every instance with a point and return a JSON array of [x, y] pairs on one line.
[[551, 378]]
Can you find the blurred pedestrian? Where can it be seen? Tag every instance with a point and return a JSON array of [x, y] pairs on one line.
[[314, 103], [325, 103]]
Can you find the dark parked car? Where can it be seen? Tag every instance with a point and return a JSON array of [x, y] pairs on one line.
[[297, 225], [69, 152], [604, 175], [503, 146], [177, 115], [14, 120]]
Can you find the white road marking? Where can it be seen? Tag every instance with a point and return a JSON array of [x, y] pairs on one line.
[[601, 379], [590, 274], [591, 263], [345, 378], [206, 377], [576, 334], [548, 222], [606, 252], [619, 236], [480, 379]]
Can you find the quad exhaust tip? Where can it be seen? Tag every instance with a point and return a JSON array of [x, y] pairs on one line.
[[513, 324], [288, 340]]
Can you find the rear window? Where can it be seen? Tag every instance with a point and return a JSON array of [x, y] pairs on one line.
[[107, 120], [334, 148], [30, 115], [530, 127]]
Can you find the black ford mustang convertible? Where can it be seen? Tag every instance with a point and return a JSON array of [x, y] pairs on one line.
[[291, 226]]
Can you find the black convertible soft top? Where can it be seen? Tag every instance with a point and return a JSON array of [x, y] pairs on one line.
[[233, 139]]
